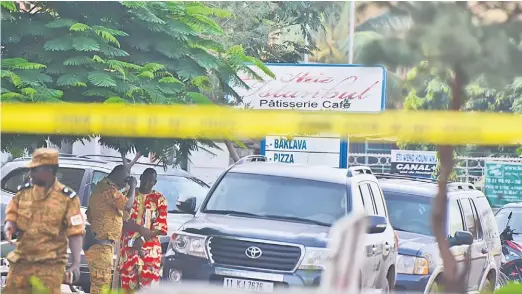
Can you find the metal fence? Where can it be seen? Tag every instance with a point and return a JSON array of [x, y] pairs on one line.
[[469, 169]]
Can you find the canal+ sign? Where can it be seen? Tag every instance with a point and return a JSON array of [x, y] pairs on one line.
[[314, 87]]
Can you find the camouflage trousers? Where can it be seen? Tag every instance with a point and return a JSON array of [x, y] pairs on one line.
[[49, 275], [100, 260]]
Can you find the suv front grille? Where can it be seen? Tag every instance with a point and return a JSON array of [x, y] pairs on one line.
[[274, 256]]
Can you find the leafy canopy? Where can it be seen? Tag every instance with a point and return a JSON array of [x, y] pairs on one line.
[[116, 52], [444, 36]]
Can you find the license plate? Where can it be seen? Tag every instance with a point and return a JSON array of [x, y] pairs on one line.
[[248, 285]]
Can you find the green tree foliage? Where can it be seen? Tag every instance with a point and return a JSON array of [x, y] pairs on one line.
[[333, 43], [272, 31], [427, 91], [450, 36], [116, 52], [258, 27]]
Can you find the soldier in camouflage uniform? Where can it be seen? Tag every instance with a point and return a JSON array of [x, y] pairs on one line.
[[46, 214], [107, 209]]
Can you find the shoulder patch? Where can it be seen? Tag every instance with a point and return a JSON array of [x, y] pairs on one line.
[[24, 186], [69, 192]]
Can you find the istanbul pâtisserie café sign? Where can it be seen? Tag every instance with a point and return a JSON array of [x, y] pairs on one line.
[[317, 87]]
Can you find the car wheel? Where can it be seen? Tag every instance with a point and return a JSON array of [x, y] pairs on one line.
[[435, 288], [386, 286], [503, 280], [487, 286]]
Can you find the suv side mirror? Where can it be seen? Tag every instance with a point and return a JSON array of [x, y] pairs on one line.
[[189, 205], [376, 224], [461, 238]]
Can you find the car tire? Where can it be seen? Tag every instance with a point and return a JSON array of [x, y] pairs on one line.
[[502, 281], [385, 286], [487, 287], [435, 288]]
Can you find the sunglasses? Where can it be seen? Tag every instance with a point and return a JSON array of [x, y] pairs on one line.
[[41, 168]]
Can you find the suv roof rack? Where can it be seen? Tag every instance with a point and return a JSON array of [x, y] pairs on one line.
[[118, 159], [63, 156], [70, 155], [455, 186], [358, 170], [404, 177], [103, 156], [251, 158]]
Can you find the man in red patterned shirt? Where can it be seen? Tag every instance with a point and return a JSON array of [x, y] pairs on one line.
[[140, 259]]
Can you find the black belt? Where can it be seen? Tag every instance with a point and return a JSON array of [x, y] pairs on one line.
[[103, 242]]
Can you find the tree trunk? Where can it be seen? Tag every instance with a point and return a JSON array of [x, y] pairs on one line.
[[184, 163], [184, 153], [232, 150], [453, 280]]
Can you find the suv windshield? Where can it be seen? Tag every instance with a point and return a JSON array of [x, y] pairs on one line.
[[516, 219], [410, 213], [281, 198], [175, 187]]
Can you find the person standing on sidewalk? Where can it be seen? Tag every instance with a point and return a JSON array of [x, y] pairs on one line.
[[105, 213], [140, 264], [47, 216]]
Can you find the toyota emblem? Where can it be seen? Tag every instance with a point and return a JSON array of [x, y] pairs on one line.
[[253, 252]]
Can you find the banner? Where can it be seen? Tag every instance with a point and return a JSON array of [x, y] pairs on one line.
[[303, 150], [420, 164], [503, 182], [315, 87]]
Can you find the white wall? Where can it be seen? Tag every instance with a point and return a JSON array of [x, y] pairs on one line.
[[208, 167], [202, 164], [5, 157], [92, 147]]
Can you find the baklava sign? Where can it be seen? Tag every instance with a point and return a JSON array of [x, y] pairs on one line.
[[347, 88]]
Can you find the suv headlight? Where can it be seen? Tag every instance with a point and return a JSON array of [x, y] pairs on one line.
[[412, 265], [315, 258], [189, 244]]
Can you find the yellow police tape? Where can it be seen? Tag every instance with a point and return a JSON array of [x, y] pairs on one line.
[[213, 122]]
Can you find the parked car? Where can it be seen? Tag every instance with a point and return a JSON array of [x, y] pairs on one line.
[[82, 173], [266, 225], [470, 223]]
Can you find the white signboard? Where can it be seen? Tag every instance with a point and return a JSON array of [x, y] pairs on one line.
[[324, 159], [303, 150], [303, 144], [348, 88], [314, 87], [413, 163], [410, 156]]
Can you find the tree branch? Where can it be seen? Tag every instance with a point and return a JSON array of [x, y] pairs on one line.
[[136, 157], [124, 161]]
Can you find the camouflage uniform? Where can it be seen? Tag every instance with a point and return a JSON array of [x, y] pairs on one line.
[[105, 214], [45, 220]]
